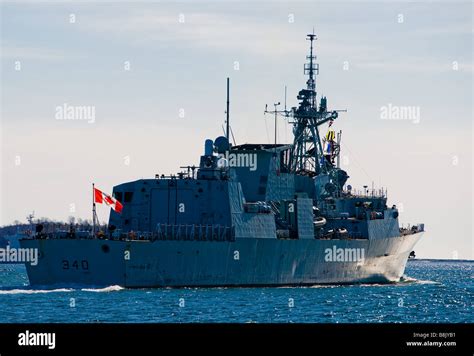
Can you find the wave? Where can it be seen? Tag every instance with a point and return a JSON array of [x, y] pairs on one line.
[[106, 289], [403, 281], [59, 290], [409, 280], [35, 291]]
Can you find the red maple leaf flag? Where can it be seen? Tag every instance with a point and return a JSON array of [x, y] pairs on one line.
[[100, 197]]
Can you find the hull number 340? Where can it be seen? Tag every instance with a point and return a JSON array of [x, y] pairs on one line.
[[75, 264]]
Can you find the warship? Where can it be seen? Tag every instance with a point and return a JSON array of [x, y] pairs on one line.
[[268, 214]]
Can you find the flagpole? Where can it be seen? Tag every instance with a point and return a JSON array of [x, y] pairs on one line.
[[93, 210]]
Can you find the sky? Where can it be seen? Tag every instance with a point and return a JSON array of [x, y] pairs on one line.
[[154, 74]]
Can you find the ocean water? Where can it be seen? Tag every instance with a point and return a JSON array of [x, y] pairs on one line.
[[433, 291]]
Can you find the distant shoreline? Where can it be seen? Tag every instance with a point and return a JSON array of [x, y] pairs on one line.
[[439, 260]]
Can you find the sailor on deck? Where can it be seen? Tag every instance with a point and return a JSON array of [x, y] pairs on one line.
[[329, 143]]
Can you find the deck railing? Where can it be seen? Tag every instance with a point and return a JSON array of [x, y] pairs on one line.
[[195, 232], [162, 232]]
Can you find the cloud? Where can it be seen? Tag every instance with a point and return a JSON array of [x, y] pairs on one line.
[[197, 29], [455, 29], [416, 64], [32, 53], [245, 33]]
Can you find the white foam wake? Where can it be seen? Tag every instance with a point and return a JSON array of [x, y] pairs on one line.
[[106, 289], [60, 290], [34, 291], [406, 279]]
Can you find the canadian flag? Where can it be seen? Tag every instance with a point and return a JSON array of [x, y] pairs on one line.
[[100, 197]]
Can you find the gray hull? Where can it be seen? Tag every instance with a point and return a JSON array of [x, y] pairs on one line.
[[245, 262]]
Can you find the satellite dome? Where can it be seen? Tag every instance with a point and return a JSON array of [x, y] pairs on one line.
[[221, 144]]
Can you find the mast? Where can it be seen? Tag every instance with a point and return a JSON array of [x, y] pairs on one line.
[[227, 112], [307, 157], [276, 112], [94, 214], [276, 127], [310, 68]]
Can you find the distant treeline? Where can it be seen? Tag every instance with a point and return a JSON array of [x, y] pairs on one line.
[[49, 224]]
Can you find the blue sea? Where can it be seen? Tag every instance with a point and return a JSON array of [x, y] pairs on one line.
[[433, 291]]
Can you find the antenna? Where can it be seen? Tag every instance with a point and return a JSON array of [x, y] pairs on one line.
[[227, 112], [233, 137], [311, 68], [276, 113], [228, 130]]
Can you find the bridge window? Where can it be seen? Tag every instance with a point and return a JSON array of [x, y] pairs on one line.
[[118, 196], [285, 161]]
